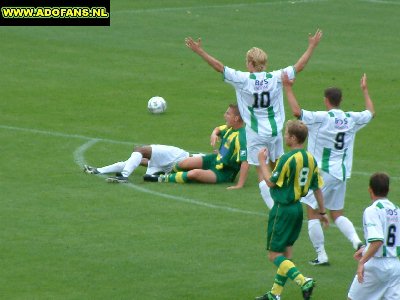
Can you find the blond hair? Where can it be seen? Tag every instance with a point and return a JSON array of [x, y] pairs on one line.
[[258, 58], [297, 129]]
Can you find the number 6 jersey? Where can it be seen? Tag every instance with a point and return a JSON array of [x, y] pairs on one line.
[[382, 223]]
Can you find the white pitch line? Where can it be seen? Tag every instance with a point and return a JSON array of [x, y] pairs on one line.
[[79, 158], [381, 2], [65, 135], [201, 7], [80, 161], [83, 137]]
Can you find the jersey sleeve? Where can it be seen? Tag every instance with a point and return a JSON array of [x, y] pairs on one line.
[[290, 71], [242, 144], [312, 117], [373, 225], [222, 130], [276, 173], [360, 118], [317, 181], [234, 77]]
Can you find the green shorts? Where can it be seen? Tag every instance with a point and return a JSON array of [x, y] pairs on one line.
[[223, 175], [284, 226]]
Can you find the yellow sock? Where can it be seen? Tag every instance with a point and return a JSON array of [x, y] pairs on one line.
[[289, 269]]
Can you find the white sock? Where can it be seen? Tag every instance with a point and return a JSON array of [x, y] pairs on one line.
[[132, 163], [317, 238], [114, 168], [347, 228], [265, 194]]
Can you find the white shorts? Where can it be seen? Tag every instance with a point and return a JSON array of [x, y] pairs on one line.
[[334, 191], [255, 143], [163, 158], [381, 280]]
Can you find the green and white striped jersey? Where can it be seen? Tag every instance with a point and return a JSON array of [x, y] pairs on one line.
[[381, 222], [260, 99], [331, 136]]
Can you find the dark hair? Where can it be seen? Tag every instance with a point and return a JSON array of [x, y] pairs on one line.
[[379, 184], [298, 129], [334, 96]]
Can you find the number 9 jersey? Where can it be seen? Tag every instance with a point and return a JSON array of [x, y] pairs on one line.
[[331, 136]]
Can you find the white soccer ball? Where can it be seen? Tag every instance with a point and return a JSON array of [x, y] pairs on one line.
[[157, 105]]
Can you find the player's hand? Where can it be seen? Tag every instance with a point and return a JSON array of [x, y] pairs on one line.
[[214, 139], [358, 254], [360, 273], [313, 40], [363, 82], [263, 154], [190, 43], [324, 220], [234, 187], [287, 83]]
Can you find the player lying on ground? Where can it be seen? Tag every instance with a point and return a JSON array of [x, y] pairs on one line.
[[223, 166], [157, 158]]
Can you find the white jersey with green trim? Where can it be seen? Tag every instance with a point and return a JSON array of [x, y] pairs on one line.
[[260, 98], [381, 222], [331, 136]]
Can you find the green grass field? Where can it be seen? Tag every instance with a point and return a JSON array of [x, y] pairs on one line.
[[75, 95]]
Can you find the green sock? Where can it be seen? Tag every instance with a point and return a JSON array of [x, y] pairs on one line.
[[179, 177], [288, 268], [176, 168]]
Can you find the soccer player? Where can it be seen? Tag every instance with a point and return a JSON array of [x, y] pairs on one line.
[[260, 98], [378, 271], [222, 166], [331, 141], [294, 175], [157, 158]]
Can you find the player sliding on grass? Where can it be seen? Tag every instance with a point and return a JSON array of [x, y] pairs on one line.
[[331, 141], [260, 98], [222, 166]]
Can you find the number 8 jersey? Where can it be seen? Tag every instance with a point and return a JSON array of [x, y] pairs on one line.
[[331, 137], [382, 223]]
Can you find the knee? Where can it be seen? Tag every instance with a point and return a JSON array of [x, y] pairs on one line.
[[335, 214], [193, 174], [144, 150], [184, 164]]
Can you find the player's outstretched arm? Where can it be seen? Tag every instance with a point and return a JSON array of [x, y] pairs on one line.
[[294, 105], [369, 105], [244, 171], [196, 47], [313, 41]]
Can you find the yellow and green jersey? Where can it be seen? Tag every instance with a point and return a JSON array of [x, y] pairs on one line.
[[232, 150], [294, 175]]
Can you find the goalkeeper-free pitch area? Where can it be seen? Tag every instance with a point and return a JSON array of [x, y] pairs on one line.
[[75, 95]]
